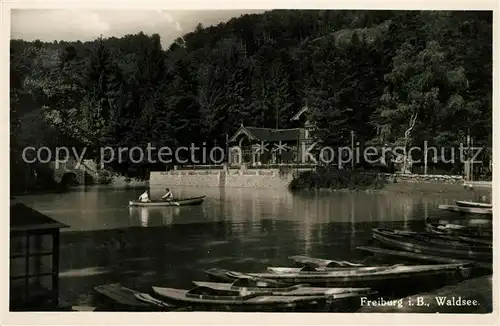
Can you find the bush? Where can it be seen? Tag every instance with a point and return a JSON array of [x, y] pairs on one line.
[[327, 178], [104, 177]]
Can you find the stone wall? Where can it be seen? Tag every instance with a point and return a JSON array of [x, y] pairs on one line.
[[264, 178], [194, 178], [252, 178], [451, 179], [258, 178]]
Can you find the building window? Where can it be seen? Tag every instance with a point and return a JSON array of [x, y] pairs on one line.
[[32, 269], [34, 259]]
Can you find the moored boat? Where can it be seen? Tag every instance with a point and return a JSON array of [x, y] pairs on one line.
[[462, 203], [240, 300], [371, 269], [175, 202], [124, 297], [413, 256], [448, 240], [467, 210], [319, 262], [254, 285], [347, 277], [459, 230], [392, 239]]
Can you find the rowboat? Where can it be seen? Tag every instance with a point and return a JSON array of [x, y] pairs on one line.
[[467, 210], [394, 240], [256, 286], [471, 235], [285, 270], [319, 262], [413, 256], [449, 240], [347, 277], [254, 301], [133, 300], [462, 203], [459, 230], [175, 202]]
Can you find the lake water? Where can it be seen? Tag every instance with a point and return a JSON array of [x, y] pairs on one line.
[[239, 229]]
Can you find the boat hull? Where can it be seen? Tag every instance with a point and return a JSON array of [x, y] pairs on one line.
[[453, 241], [297, 290], [467, 210], [459, 230], [131, 300], [390, 239], [216, 299], [347, 277], [412, 256], [369, 269], [176, 202], [461, 203], [471, 235], [319, 262]]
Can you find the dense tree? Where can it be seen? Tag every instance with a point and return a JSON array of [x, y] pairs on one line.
[[399, 77]]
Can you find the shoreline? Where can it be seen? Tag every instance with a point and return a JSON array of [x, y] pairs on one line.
[[422, 188], [402, 187]]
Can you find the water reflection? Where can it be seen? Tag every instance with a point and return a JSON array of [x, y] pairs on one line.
[[241, 229], [245, 209], [153, 216]]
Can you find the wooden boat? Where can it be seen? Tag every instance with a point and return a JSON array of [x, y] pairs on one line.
[[461, 203], [254, 285], [147, 298], [285, 270], [235, 299], [125, 297], [394, 240], [319, 262], [470, 235], [459, 230], [467, 210], [175, 202], [423, 257], [449, 240], [348, 277]]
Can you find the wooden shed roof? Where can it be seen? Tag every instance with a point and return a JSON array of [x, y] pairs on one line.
[[25, 218]]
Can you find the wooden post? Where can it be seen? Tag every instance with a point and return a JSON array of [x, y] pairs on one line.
[[471, 174], [352, 149], [227, 149], [467, 162], [55, 267], [297, 161], [425, 158]]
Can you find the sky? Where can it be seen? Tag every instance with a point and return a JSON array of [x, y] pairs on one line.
[[84, 25]]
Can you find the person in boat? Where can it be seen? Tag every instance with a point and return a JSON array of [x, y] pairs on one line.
[[144, 197], [168, 195]]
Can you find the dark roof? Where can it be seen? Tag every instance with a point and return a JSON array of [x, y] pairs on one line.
[[24, 218], [269, 134]]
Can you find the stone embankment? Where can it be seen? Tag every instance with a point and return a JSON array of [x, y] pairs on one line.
[[278, 179]]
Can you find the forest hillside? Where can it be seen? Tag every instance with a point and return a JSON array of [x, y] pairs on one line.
[[373, 72]]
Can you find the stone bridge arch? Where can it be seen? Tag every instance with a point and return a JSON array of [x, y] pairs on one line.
[[72, 171]]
